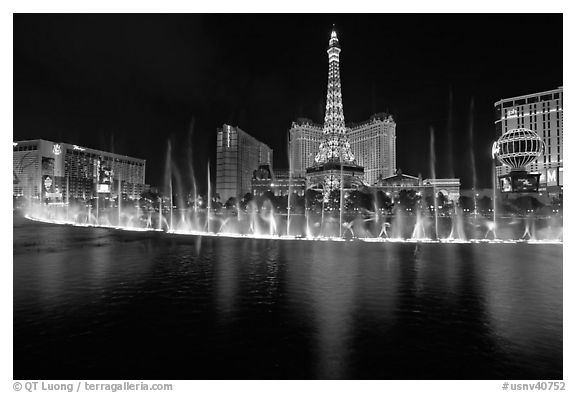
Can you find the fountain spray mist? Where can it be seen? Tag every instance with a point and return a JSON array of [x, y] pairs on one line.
[[307, 216], [494, 194], [289, 186], [160, 213], [120, 199], [209, 197], [168, 176], [179, 193], [190, 163], [472, 156], [68, 197], [449, 136], [433, 175], [341, 191]]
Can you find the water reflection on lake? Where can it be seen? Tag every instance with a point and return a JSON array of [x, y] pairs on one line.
[[96, 303]]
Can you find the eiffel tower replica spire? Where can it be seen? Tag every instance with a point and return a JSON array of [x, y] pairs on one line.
[[334, 165], [335, 146]]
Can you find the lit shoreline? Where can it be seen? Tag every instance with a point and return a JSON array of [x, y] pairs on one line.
[[286, 237]]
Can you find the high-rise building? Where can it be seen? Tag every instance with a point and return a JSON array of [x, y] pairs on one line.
[[372, 142], [542, 113], [304, 140], [60, 171], [238, 155]]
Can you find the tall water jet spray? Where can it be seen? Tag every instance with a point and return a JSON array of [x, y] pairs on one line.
[[398, 220], [179, 192], [494, 193], [472, 156], [252, 212], [449, 136], [67, 198], [268, 207], [341, 193], [322, 218], [168, 177], [306, 215], [138, 212], [457, 231], [529, 228], [289, 188], [119, 198], [433, 175], [376, 210], [171, 206], [160, 213], [97, 207], [456, 227], [191, 164], [419, 231], [209, 205], [238, 212]]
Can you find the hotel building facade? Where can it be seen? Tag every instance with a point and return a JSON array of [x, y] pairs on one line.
[[278, 182], [393, 185], [540, 112], [372, 142], [238, 155], [60, 171]]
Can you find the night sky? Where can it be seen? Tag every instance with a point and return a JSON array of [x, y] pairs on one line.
[[129, 83]]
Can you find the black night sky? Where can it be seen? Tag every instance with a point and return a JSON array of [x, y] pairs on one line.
[[128, 83]]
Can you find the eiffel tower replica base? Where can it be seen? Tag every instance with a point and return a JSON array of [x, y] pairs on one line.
[[327, 176]]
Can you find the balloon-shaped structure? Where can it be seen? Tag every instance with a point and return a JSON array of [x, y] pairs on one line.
[[518, 147]]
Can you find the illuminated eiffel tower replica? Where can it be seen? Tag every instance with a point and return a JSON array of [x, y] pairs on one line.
[[334, 166]]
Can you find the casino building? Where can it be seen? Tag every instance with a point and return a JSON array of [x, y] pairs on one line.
[[58, 172], [238, 155], [277, 182], [373, 143], [542, 113], [393, 185]]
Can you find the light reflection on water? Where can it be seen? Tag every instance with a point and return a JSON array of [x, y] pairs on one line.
[[97, 303]]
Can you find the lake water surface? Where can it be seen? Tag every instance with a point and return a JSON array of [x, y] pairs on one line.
[[93, 303]]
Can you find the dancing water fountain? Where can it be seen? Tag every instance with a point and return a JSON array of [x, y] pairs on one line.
[[264, 221], [334, 172], [433, 171], [260, 219]]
